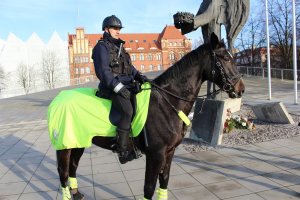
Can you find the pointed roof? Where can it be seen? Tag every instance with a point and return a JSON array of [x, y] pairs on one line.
[[54, 39], [12, 39], [2, 42], [2, 45], [170, 32], [137, 42], [34, 39], [141, 41], [134, 41]]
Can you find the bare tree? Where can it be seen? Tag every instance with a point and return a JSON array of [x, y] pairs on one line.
[[281, 34], [252, 38], [2, 79], [25, 76], [50, 64]]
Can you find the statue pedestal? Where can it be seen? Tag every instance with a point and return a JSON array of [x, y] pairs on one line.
[[208, 125], [274, 112]]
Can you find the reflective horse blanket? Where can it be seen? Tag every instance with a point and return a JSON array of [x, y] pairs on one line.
[[76, 116]]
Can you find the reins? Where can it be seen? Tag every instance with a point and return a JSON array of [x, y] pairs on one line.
[[227, 80], [171, 94]]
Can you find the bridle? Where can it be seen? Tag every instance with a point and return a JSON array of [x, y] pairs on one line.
[[228, 81]]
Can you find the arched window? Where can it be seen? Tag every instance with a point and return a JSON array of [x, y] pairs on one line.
[[172, 56], [158, 56], [150, 67], [81, 70], [181, 54], [133, 57], [142, 57], [87, 70]]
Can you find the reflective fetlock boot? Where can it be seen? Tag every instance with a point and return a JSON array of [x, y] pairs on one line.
[[74, 189], [65, 193]]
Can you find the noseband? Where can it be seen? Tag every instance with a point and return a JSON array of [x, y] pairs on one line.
[[229, 81]]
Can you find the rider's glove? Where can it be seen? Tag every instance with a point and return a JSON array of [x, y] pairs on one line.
[[141, 78], [124, 92], [121, 90]]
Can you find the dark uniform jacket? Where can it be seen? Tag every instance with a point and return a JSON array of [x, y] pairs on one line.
[[110, 66]]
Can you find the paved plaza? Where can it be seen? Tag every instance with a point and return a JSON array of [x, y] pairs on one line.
[[262, 171]]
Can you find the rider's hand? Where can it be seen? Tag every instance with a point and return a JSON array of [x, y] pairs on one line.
[[124, 92], [141, 78]]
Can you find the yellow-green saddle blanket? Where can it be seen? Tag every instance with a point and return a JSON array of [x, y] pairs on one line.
[[76, 116]]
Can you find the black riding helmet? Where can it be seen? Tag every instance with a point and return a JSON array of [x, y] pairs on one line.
[[111, 21]]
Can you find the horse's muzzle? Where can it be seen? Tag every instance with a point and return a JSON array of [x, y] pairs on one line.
[[234, 94]]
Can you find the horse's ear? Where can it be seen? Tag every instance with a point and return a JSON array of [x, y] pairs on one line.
[[214, 40]]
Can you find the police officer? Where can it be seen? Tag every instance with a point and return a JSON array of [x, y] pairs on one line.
[[116, 73]]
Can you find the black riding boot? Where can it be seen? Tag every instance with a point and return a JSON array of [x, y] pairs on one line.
[[124, 151]]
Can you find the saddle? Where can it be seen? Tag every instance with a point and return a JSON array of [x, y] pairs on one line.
[[114, 114]]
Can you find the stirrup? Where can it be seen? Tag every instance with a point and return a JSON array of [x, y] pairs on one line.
[[137, 152], [114, 148]]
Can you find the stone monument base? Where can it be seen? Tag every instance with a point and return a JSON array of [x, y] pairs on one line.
[[208, 123], [274, 112]]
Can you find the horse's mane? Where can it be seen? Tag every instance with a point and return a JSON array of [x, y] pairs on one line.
[[176, 70], [189, 60]]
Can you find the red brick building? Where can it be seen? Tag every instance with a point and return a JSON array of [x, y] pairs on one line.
[[148, 51]]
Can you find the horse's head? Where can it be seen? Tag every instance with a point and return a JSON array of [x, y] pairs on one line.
[[223, 69]]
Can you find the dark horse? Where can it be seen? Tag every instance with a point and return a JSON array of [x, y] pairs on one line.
[[178, 88]]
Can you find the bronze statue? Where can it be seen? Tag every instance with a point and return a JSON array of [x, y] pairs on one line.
[[212, 14]]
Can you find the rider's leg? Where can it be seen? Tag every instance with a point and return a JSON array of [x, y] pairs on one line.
[[125, 108]]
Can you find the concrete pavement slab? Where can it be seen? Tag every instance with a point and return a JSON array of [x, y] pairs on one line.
[[28, 162], [279, 194], [227, 189]]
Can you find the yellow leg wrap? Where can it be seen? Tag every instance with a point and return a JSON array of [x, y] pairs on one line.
[[73, 183], [65, 193], [162, 194]]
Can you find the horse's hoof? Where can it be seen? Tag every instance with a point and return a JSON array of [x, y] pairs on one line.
[[78, 196]]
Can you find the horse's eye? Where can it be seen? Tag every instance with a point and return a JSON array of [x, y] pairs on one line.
[[227, 58]]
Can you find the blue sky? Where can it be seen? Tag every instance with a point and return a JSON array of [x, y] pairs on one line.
[[23, 17]]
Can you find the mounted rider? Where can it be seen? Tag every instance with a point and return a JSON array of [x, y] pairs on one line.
[[118, 80]]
